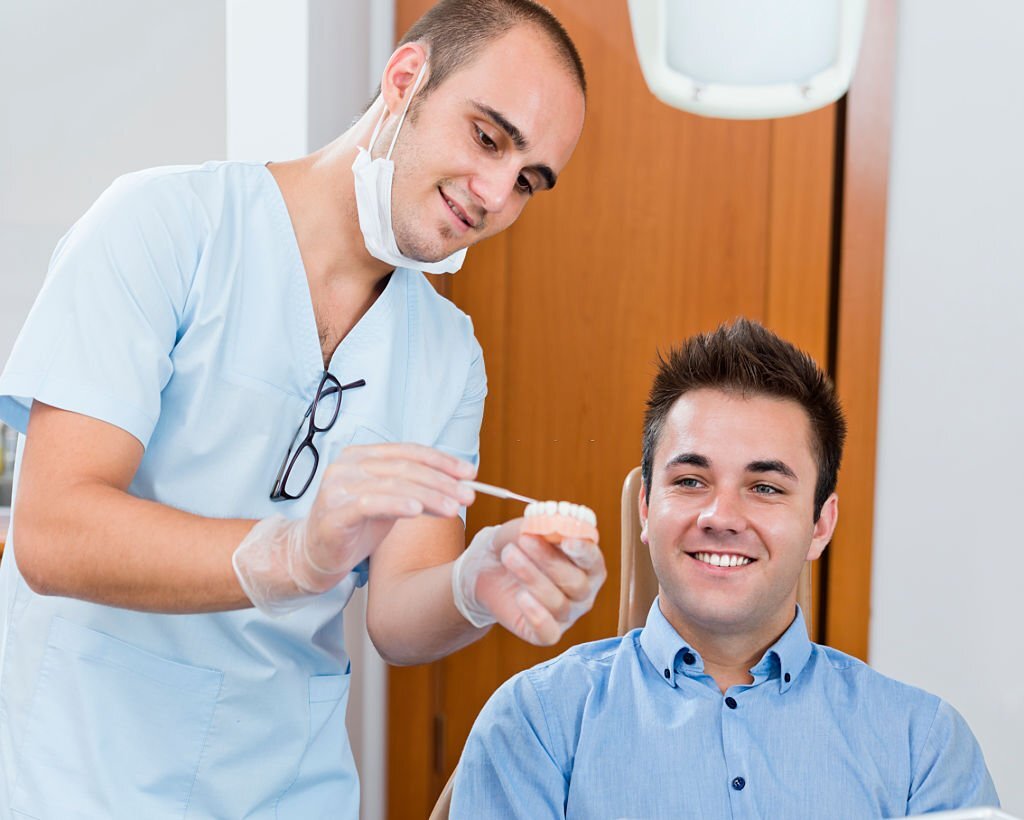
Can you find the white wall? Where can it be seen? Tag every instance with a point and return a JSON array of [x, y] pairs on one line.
[[90, 91], [947, 602]]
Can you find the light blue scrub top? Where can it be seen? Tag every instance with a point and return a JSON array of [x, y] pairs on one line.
[[178, 309]]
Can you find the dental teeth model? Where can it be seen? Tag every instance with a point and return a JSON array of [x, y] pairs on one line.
[[558, 520]]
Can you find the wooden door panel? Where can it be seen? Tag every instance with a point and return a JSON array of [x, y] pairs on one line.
[[801, 234], [663, 224]]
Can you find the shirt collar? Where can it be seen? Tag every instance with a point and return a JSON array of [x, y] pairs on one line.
[[671, 654], [663, 646]]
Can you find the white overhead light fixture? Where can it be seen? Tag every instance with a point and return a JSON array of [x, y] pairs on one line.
[[747, 59]]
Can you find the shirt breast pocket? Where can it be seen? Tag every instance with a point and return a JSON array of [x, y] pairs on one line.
[[359, 433], [115, 731], [363, 434]]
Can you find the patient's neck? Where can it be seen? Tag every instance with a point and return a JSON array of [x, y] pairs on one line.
[[729, 666]]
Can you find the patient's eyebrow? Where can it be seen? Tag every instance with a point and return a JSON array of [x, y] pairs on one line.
[[771, 466], [693, 459]]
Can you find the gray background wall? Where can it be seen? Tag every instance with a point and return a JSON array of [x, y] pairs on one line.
[[90, 91], [947, 603]]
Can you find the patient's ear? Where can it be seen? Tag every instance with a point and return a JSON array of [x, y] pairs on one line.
[[824, 527], [642, 505]]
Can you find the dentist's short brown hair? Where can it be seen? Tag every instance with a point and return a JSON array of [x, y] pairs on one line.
[[455, 31]]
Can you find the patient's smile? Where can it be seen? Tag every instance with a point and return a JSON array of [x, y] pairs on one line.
[[721, 559]]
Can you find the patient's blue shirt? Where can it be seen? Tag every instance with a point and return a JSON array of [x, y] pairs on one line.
[[632, 727]]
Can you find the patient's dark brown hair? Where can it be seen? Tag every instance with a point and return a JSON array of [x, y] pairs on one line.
[[746, 358]]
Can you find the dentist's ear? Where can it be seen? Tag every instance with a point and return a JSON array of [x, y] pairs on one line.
[[400, 75], [824, 527]]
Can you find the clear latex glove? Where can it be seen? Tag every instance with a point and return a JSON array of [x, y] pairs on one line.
[[281, 564], [533, 589], [273, 566], [478, 558]]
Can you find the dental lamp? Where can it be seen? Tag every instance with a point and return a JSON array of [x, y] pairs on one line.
[[747, 59]]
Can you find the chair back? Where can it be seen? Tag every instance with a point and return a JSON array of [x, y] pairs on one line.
[[444, 800]]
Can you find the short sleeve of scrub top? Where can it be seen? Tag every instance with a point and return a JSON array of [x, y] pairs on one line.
[[98, 339]]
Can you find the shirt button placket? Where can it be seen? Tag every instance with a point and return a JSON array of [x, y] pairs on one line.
[[736, 739]]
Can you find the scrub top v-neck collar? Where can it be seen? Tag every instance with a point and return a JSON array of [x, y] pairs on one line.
[[302, 316]]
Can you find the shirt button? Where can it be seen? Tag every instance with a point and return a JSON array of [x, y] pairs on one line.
[[787, 677], [738, 783], [688, 658], [731, 703], [668, 674]]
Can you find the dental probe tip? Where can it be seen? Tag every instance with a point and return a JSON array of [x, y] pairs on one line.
[[498, 492]]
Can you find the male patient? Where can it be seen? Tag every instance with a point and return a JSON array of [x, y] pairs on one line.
[[721, 706]]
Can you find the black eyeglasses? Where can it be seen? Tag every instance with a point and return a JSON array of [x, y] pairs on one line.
[[302, 459]]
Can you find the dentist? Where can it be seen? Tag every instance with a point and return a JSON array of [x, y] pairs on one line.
[[241, 399]]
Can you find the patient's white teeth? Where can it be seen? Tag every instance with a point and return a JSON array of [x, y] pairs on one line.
[[719, 560], [563, 507], [550, 507]]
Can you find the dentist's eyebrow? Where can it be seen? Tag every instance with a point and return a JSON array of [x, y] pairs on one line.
[[518, 140], [692, 459], [771, 466]]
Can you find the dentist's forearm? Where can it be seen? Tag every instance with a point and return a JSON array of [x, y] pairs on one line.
[[78, 533], [411, 615]]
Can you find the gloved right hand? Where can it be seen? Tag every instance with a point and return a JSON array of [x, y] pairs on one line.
[[282, 563]]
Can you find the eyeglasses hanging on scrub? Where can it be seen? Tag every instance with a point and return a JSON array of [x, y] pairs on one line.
[[302, 459]]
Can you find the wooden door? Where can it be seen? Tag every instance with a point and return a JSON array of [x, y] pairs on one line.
[[663, 224]]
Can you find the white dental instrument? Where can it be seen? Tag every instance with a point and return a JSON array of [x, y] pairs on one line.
[[498, 492]]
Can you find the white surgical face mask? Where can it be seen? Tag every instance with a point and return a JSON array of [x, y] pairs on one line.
[[373, 179]]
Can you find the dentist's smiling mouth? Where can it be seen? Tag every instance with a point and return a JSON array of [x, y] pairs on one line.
[[454, 207]]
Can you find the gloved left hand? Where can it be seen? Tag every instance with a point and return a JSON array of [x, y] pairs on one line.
[[533, 588]]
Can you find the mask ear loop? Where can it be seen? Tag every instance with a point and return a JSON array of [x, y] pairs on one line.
[[408, 102], [376, 131]]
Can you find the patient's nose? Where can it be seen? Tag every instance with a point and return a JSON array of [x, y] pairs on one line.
[[722, 514]]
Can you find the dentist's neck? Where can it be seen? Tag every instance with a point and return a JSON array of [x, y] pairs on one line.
[[319, 191]]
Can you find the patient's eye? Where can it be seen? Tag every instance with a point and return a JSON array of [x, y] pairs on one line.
[[766, 489], [688, 481]]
